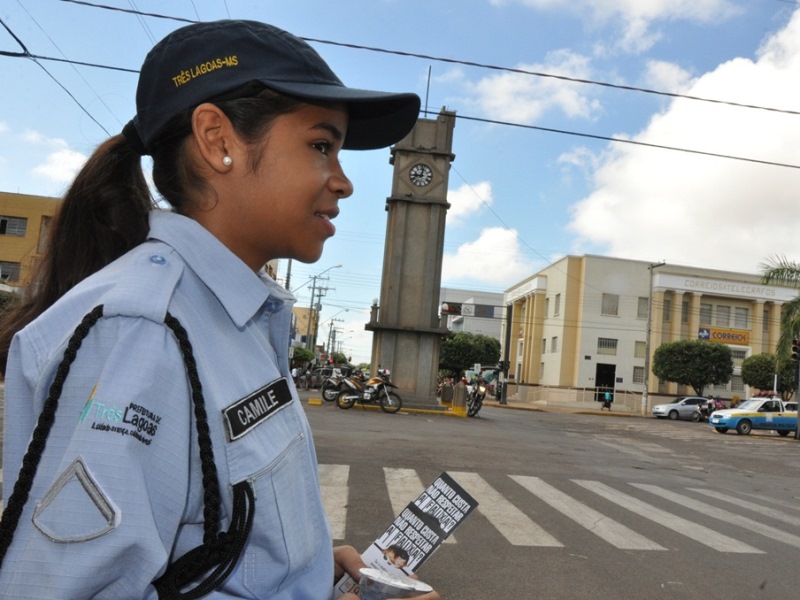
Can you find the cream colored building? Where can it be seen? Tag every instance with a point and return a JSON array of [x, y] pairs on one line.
[[581, 323], [23, 227]]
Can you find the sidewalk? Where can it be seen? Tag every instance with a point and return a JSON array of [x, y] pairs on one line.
[[580, 408]]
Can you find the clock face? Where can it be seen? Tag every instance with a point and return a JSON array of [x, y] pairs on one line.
[[420, 175]]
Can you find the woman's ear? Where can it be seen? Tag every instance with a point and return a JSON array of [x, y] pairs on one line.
[[214, 136]]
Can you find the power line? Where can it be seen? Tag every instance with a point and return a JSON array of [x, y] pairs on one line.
[[627, 141], [27, 54], [468, 63]]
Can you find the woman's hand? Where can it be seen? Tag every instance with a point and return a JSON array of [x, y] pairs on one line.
[[347, 559]]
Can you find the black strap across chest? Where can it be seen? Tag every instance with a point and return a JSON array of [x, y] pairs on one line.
[[211, 562]]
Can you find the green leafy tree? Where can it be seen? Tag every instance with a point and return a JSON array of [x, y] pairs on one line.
[[786, 272], [6, 300], [339, 358], [694, 363], [759, 371], [459, 351], [302, 356]]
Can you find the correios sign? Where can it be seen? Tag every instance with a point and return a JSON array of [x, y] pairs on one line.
[[738, 337]]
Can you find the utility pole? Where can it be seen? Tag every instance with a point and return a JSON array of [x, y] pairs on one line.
[[288, 275], [332, 335], [311, 312], [645, 397]]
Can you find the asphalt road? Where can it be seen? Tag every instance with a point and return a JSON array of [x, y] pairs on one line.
[[575, 506], [580, 506]]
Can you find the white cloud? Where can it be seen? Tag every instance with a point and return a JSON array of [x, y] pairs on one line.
[[636, 18], [468, 200], [60, 166], [525, 98], [662, 75], [704, 211], [495, 258]]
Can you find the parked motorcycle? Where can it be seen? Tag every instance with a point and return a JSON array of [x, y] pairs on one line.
[[331, 387], [476, 393], [375, 390]]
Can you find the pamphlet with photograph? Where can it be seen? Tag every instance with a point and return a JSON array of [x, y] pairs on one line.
[[417, 531]]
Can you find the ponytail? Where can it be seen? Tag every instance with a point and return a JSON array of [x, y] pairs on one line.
[[105, 211], [103, 215]]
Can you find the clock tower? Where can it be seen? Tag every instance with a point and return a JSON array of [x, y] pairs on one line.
[[405, 324]]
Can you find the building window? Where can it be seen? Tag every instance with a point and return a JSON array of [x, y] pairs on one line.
[[16, 226], [9, 271], [737, 385], [546, 307], [638, 374], [641, 310], [738, 357], [666, 315], [723, 387], [554, 344], [723, 316], [607, 346], [557, 305], [544, 345], [610, 305], [705, 314], [685, 311], [639, 350], [765, 327], [740, 317]]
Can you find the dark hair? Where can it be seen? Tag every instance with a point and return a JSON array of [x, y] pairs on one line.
[[104, 213]]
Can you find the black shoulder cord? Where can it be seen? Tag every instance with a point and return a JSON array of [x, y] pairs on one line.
[[220, 551]]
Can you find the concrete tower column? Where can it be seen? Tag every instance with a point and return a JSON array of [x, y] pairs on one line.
[[406, 329]]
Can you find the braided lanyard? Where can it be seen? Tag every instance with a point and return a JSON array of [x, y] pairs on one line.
[[217, 556]]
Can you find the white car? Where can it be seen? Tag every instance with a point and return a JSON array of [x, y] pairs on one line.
[[687, 407]]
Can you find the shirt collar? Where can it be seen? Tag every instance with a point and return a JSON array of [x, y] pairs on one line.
[[240, 290]]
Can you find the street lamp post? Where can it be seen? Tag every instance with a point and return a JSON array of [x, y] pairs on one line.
[[651, 268]]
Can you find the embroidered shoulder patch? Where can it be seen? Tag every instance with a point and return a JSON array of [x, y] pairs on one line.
[[245, 414]]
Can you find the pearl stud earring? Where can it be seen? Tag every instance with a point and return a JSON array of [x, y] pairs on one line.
[[227, 161]]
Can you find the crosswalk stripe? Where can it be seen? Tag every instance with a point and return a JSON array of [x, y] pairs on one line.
[[762, 510], [404, 486], [605, 528], [510, 521], [695, 531], [333, 484], [763, 498], [723, 515]]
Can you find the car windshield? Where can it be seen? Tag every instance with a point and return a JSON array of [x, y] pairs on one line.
[[750, 405]]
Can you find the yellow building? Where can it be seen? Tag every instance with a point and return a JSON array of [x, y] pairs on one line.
[[23, 228], [582, 324]]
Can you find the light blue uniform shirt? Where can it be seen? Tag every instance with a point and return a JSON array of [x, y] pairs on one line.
[[118, 493]]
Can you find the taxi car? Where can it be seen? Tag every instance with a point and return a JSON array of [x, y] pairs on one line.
[[756, 413]]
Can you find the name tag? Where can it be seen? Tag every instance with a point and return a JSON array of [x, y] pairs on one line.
[[245, 414]]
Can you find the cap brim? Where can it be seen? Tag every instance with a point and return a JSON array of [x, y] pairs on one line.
[[377, 119]]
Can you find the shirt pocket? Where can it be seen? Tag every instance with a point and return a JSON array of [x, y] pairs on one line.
[[289, 525]]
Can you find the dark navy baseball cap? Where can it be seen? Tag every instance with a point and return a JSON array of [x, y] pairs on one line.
[[204, 61]]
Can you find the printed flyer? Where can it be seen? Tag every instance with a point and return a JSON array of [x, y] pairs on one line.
[[417, 532]]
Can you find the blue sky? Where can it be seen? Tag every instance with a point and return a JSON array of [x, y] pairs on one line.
[[522, 196]]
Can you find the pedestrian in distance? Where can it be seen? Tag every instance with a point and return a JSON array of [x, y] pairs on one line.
[[607, 399], [147, 365]]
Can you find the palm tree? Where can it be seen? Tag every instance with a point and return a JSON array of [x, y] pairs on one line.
[[786, 272]]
